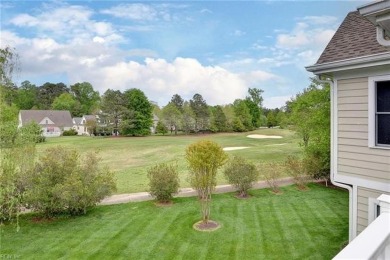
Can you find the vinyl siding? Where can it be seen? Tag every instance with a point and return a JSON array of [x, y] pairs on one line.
[[355, 158], [362, 206]]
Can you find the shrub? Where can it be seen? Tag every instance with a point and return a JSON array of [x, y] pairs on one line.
[[204, 158], [295, 168], [241, 174], [69, 132], [272, 172], [62, 182], [163, 181], [161, 128]]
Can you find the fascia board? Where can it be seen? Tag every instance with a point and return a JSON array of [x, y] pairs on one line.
[[356, 63]]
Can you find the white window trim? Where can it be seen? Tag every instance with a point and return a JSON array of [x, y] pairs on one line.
[[373, 203], [372, 109]]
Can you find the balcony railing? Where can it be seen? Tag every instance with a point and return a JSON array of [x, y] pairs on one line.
[[374, 241]]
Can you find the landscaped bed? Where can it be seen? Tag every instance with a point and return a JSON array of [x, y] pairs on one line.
[[292, 225]]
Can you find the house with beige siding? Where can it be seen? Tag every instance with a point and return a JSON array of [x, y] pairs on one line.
[[52, 122], [356, 63]]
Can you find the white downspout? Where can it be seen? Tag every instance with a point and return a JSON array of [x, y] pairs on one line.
[[333, 167]]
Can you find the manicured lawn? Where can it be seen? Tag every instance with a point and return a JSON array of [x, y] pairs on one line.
[[309, 224], [130, 157]]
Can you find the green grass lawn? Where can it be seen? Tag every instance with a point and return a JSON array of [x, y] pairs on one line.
[[309, 224], [130, 157]]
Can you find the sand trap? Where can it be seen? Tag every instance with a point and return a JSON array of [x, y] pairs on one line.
[[276, 144], [234, 148], [264, 136]]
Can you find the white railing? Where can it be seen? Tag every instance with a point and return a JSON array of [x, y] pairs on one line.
[[374, 241]]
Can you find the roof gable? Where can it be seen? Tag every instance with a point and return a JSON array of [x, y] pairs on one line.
[[46, 121], [356, 37]]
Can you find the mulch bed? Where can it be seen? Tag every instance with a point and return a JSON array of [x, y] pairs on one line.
[[209, 226]]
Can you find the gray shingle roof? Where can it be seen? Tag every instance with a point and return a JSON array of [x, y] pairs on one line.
[[60, 118], [77, 120], [356, 37]]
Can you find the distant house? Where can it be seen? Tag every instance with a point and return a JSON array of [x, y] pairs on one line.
[[356, 63], [53, 122], [80, 123], [155, 121]]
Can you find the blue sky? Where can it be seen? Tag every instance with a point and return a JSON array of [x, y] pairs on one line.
[[216, 48]]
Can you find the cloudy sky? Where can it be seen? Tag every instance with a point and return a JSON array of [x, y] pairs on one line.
[[216, 48]]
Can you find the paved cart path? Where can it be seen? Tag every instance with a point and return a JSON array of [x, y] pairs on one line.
[[183, 192]]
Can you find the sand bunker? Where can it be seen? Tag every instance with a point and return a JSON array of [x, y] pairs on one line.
[[264, 136], [276, 144], [234, 148]]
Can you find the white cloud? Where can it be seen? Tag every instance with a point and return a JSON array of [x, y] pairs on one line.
[[133, 12], [238, 33], [320, 19]]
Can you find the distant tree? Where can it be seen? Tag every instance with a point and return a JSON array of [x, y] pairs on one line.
[[27, 96], [163, 182], [271, 119], [201, 112], [188, 118], [161, 128], [237, 125], [171, 116], [91, 126], [204, 158], [139, 118], [219, 120], [178, 102], [113, 105], [48, 92], [254, 103], [87, 97], [66, 101], [242, 174], [242, 111]]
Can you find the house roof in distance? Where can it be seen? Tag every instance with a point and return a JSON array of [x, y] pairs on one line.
[[60, 118], [356, 37]]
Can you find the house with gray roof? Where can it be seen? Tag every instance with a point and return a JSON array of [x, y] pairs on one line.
[[356, 63], [53, 122]]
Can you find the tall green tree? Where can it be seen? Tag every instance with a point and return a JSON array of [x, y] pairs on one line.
[[66, 101], [178, 101], [138, 118], [87, 97], [254, 102], [113, 107], [27, 96], [242, 112], [188, 118], [201, 112], [310, 116], [219, 120], [48, 92]]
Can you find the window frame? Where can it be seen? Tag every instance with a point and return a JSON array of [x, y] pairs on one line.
[[372, 111]]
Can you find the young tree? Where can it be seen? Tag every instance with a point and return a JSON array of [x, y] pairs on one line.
[[163, 182], [204, 158], [241, 174], [161, 128], [254, 103], [242, 111]]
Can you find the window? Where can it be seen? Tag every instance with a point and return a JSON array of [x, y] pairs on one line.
[[374, 210], [379, 112]]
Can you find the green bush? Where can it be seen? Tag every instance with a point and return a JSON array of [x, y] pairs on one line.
[[69, 132], [163, 181], [272, 172], [62, 182], [296, 169], [241, 174]]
